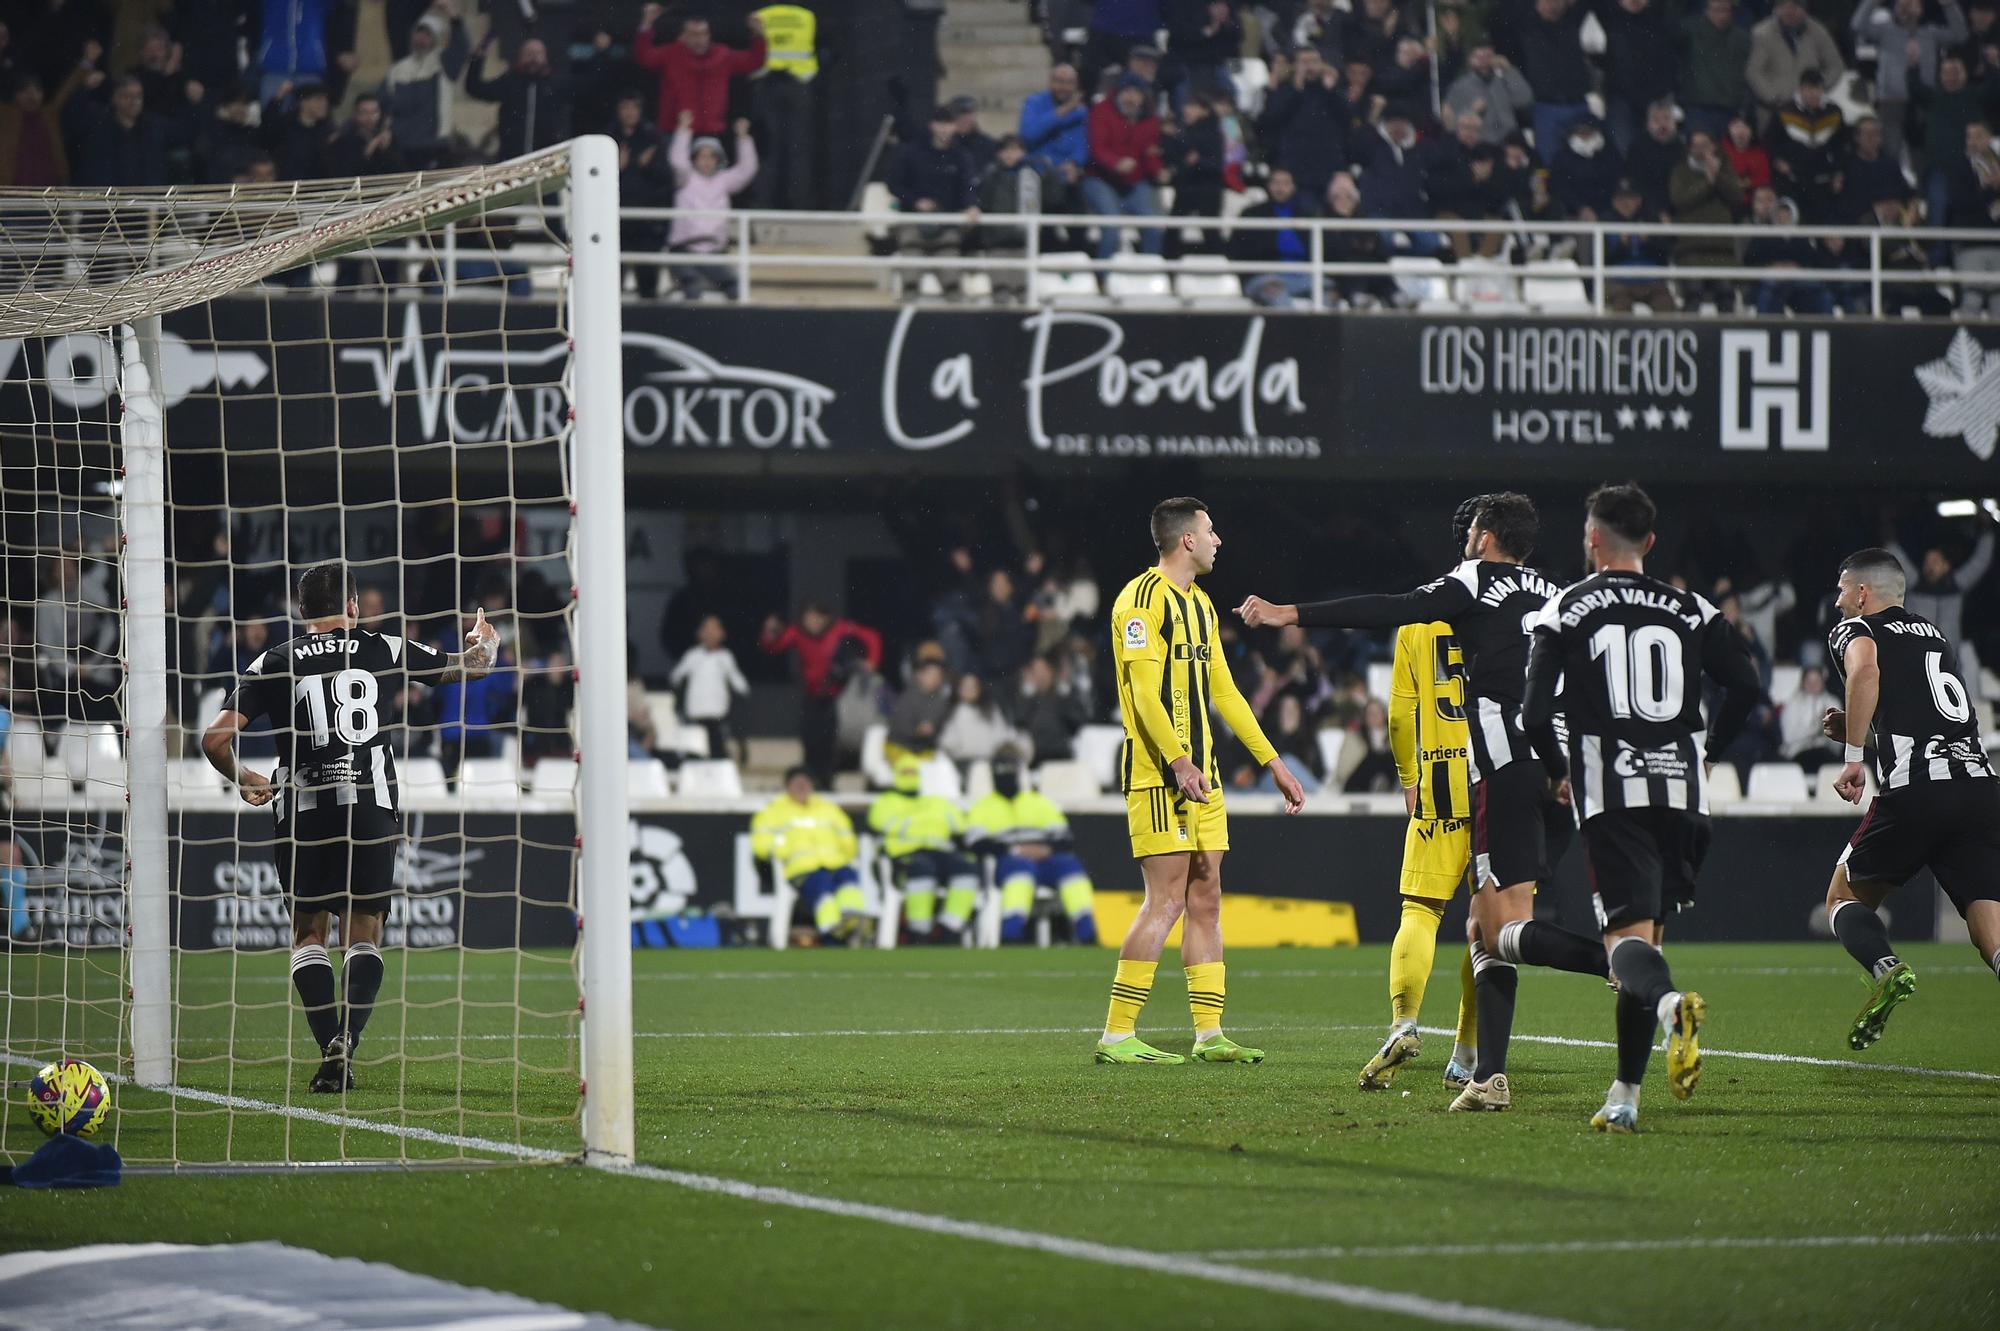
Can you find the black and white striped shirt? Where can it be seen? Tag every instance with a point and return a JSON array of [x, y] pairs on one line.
[[1489, 605], [1628, 653], [326, 694], [1925, 728]]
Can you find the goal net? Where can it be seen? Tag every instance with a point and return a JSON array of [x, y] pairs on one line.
[[202, 394]]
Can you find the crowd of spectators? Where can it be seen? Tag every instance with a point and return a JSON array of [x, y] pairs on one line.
[[1514, 112]]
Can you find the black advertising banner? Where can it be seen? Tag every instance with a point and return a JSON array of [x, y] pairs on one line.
[[494, 881], [840, 391]]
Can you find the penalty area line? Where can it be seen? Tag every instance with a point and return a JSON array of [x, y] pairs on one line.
[[1756, 1056]]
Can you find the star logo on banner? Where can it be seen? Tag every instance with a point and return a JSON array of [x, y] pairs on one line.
[[1964, 393], [1655, 418], [1682, 417], [1627, 418]]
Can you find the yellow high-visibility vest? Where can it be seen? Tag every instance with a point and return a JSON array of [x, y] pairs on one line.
[[788, 32]]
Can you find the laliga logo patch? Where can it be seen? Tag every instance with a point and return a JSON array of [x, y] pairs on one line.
[[1180, 831], [1135, 633]]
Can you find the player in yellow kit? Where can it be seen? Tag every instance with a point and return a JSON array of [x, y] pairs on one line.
[[1167, 646], [1428, 738]]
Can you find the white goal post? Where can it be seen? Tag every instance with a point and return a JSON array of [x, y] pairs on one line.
[[88, 274]]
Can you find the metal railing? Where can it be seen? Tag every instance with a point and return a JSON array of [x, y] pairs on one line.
[[1039, 265]]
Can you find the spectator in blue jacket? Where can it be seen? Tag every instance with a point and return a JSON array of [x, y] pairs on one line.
[[293, 49], [1054, 126]]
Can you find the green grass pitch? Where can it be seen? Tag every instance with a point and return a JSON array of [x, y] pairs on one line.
[[1855, 1193]]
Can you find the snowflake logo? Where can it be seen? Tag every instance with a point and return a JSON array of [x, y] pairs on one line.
[[1964, 393]]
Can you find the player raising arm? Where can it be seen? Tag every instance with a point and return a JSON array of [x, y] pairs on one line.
[[1167, 644], [1628, 653], [1518, 827], [333, 791], [1939, 806]]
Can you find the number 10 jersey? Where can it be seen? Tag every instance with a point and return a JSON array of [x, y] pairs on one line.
[[1632, 651], [326, 694]]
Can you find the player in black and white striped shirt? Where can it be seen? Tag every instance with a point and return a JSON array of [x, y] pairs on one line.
[[1518, 830], [1628, 653], [1939, 806], [334, 790]]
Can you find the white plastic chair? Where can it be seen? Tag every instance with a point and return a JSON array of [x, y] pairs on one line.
[[1139, 279], [1555, 286], [978, 780], [646, 779], [1066, 779], [1057, 279], [1331, 742], [1381, 679], [940, 777], [25, 755], [875, 757], [711, 778], [754, 900], [1784, 681], [554, 777], [1202, 280], [1097, 748], [1777, 783], [1422, 279], [44, 792], [1723, 786], [489, 781], [422, 778], [1481, 284], [876, 198], [664, 713]]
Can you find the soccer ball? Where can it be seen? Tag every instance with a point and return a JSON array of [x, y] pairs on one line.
[[70, 1096]]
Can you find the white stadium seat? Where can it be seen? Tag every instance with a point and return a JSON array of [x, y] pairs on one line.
[[646, 779], [554, 776], [489, 781], [1203, 280], [940, 777], [875, 764], [1139, 279], [1066, 780], [1331, 741], [1777, 783], [1097, 748], [422, 779], [1057, 279], [1555, 286], [711, 778], [186, 777], [1723, 786], [1252, 78]]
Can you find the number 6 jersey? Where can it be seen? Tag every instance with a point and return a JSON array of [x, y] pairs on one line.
[[326, 694], [1925, 728], [1628, 653]]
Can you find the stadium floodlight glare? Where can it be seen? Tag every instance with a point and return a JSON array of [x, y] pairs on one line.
[[1958, 508], [203, 392]]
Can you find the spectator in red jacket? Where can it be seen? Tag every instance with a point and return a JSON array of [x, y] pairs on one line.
[[1124, 163], [1746, 156], [829, 650], [695, 69]]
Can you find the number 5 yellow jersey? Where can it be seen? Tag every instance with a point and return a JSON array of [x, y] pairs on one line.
[[1427, 731], [1167, 646]]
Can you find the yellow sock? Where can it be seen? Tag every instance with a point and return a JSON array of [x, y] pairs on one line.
[[1204, 981], [1468, 1015], [1129, 990], [1411, 955]]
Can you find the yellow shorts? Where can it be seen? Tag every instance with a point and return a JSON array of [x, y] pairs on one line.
[[1435, 853], [1162, 822]]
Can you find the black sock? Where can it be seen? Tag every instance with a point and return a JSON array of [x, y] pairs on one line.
[[361, 968], [1534, 943], [1642, 972], [312, 976], [1637, 1025], [1861, 931], [1494, 984]]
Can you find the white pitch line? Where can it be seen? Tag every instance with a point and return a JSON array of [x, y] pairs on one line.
[[1177, 1265], [1805, 1060], [1597, 1245], [1365, 1297]]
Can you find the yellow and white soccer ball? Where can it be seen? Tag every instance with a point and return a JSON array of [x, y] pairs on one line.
[[70, 1096]]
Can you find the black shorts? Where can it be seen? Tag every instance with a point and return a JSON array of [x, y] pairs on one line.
[[1643, 863], [1951, 828], [341, 860], [1519, 831]]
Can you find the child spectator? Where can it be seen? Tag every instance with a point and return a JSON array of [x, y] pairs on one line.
[[709, 679], [701, 182]]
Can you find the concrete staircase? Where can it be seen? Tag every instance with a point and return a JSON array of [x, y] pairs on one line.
[[992, 52]]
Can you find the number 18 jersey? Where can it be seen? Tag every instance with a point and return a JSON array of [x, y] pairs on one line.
[[1633, 651], [326, 694]]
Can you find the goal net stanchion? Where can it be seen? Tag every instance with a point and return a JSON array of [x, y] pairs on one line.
[[284, 424], [598, 464]]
